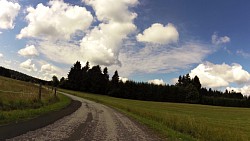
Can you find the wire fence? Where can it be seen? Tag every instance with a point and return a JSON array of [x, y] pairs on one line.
[[37, 92], [22, 99], [3, 91]]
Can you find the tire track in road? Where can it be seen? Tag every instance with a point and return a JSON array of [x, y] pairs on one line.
[[83, 130], [92, 122]]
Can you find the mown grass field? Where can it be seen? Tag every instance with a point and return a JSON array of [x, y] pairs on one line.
[[176, 121], [19, 101]]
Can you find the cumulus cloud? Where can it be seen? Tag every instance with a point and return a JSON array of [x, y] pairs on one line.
[[58, 20], [28, 66], [245, 90], [113, 10], [102, 44], [8, 12], [220, 75], [48, 68], [216, 40], [48, 71], [29, 51], [159, 34], [157, 82], [1, 55]]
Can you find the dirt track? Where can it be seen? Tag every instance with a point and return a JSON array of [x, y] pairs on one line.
[[92, 121]]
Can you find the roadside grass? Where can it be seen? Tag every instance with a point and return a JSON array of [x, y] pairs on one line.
[[15, 94], [19, 101], [7, 117], [178, 121]]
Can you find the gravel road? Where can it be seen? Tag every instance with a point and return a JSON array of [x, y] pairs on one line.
[[91, 122]]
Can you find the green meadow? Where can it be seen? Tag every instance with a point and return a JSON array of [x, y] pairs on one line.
[[20, 100], [178, 121]]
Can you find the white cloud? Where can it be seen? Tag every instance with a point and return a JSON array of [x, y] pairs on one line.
[[48, 68], [123, 79], [5, 63], [159, 34], [58, 20], [28, 66], [245, 90], [113, 10], [220, 75], [174, 81], [8, 12], [62, 52], [160, 60], [48, 71], [220, 40], [157, 82], [29, 51], [243, 53], [102, 44]]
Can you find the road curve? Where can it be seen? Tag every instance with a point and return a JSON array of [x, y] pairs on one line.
[[91, 122]]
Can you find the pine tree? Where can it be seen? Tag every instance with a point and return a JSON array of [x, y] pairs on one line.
[[105, 73], [97, 80], [115, 78], [75, 76], [85, 82], [197, 83], [106, 80]]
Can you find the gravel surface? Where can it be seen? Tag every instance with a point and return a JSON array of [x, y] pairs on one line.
[[91, 122]]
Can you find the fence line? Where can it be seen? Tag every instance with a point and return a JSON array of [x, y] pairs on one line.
[[14, 92], [39, 92]]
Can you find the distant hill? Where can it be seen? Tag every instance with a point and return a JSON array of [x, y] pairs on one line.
[[20, 76]]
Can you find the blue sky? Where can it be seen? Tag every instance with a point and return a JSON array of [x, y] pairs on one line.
[[145, 40]]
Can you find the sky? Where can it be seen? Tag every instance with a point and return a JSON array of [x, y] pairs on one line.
[[152, 41]]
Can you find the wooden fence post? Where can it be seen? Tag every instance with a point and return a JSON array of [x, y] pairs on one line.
[[55, 92], [40, 92]]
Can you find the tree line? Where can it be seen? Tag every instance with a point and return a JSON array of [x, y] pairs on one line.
[[186, 90]]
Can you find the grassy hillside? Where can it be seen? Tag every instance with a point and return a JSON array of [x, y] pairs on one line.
[[19, 100], [183, 121], [21, 95], [19, 76]]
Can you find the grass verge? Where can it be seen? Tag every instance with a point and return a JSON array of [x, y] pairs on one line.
[[26, 114], [158, 128], [176, 121]]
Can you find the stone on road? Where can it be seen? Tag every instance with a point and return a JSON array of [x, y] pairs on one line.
[[91, 122]]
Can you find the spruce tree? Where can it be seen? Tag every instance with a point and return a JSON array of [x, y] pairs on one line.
[[115, 78]]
